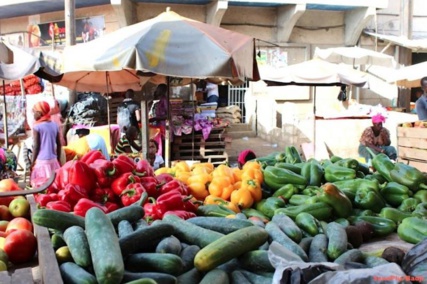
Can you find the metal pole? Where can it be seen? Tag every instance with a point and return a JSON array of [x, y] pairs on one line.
[[6, 136], [167, 130], [70, 22], [314, 123]]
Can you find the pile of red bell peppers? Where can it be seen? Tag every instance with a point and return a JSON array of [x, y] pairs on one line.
[[94, 181]]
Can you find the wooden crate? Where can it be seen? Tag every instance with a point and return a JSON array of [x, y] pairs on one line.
[[194, 147], [412, 146], [44, 268]]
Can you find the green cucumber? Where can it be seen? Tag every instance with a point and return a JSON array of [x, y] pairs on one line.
[[190, 233], [306, 222], [104, 247], [141, 223], [318, 248], [57, 220], [76, 240], [143, 281], [215, 276], [220, 224], [305, 243], [373, 261], [238, 277], [145, 238], [161, 278], [57, 240], [192, 276], [124, 228], [169, 244], [277, 235], [337, 240], [71, 273], [229, 247], [353, 255], [257, 261], [256, 278], [288, 226], [187, 256], [131, 213], [154, 262]]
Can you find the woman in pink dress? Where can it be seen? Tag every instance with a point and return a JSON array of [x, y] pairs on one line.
[[46, 145]]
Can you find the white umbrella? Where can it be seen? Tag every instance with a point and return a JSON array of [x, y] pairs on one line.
[[355, 55], [315, 72], [409, 76]]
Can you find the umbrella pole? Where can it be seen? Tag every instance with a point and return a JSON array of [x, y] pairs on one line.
[[167, 128], [314, 123], [108, 110], [6, 136]]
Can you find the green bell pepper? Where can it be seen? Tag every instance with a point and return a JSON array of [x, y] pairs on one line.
[[298, 199], [341, 204], [336, 173], [325, 163], [369, 199], [364, 168], [360, 174], [280, 157], [313, 172], [382, 226], [266, 161], [292, 167], [376, 176], [321, 211], [350, 187], [421, 195], [214, 210], [395, 193], [286, 192], [420, 210], [335, 158], [292, 155], [276, 177], [308, 223], [252, 212], [407, 175], [269, 205], [409, 205], [394, 214], [311, 190], [348, 163], [382, 164], [412, 230]]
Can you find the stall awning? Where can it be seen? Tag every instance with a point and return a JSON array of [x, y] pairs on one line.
[[413, 44]]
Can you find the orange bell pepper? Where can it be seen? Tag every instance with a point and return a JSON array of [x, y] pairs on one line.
[[209, 167], [211, 199], [221, 186], [182, 176], [198, 190], [182, 166], [202, 177], [252, 165], [254, 187], [253, 173], [237, 173], [242, 198], [223, 170], [237, 185]]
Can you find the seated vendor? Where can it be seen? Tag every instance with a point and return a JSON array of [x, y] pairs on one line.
[[87, 141], [156, 160], [377, 138], [128, 143]]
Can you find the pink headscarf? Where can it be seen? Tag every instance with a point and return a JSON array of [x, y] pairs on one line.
[[242, 159], [378, 118]]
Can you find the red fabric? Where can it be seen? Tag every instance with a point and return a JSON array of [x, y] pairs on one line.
[[44, 108], [242, 156]]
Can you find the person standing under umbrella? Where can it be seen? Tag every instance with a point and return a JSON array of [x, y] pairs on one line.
[[212, 93], [46, 145], [128, 112]]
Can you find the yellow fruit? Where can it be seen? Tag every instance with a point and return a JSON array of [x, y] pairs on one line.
[[2, 241], [3, 266], [63, 254]]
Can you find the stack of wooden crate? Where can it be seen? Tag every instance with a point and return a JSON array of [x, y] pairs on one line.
[[412, 146], [194, 147]]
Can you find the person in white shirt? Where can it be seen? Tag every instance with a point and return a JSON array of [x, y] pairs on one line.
[[212, 94], [156, 160]]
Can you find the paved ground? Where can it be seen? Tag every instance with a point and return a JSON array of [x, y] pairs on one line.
[[259, 146]]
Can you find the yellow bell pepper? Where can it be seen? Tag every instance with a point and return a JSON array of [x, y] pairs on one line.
[[242, 198], [182, 166], [237, 185], [251, 165], [208, 166], [198, 190], [211, 199], [223, 170], [202, 177], [221, 186], [237, 173], [164, 170], [254, 188], [253, 173], [183, 176]]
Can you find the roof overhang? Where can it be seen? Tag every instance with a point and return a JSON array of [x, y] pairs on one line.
[[418, 45]]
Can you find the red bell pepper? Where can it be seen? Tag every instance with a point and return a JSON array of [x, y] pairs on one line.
[[144, 169], [105, 172], [77, 173], [120, 183], [172, 200], [43, 199], [111, 206], [72, 194], [181, 214], [131, 194], [103, 195], [92, 156], [174, 185], [164, 178], [151, 185], [124, 164], [152, 211], [192, 204], [84, 205], [59, 205]]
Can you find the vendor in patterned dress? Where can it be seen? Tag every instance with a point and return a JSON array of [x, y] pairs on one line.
[[377, 138], [127, 143]]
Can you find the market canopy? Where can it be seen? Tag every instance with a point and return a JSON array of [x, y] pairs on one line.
[[16, 63], [167, 45], [409, 76]]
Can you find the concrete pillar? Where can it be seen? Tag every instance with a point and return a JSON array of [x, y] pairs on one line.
[[287, 16], [125, 11], [70, 22], [355, 21], [215, 11]]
